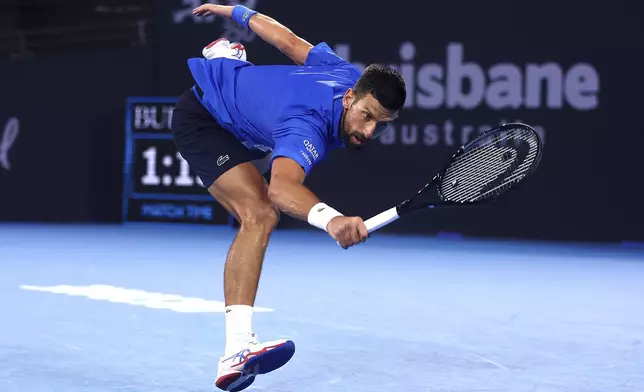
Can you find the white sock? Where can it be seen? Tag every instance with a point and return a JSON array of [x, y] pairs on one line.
[[239, 320]]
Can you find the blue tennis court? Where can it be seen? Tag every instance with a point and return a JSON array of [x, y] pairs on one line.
[[138, 308]]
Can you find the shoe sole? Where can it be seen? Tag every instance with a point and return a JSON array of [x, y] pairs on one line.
[[261, 363], [272, 359], [225, 382]]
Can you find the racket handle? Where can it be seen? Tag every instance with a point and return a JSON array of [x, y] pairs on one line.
[[382, 219]]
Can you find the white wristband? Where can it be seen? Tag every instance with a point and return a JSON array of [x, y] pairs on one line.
[[321, 214]]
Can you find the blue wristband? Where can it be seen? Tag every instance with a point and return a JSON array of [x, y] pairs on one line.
[[242, 15]]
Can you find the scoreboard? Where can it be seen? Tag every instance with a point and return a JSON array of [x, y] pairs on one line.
[[158, 184]]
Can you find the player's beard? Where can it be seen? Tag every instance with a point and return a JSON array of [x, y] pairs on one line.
[[346, 136]]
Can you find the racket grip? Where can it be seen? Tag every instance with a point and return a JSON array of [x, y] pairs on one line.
[[380, 220], [383, 219]]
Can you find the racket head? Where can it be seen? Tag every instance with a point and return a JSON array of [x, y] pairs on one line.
[[490, 165]]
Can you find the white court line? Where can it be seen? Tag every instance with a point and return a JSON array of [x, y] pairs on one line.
[[490, 361], [154, 300]]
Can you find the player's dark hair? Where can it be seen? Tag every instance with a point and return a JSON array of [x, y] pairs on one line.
[[385, 84]]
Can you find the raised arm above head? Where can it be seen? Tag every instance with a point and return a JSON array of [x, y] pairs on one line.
[[267, 28]]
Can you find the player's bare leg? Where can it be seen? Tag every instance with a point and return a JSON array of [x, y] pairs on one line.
[[244, 193]]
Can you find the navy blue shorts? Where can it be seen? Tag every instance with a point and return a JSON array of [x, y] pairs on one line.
[[209, 149]]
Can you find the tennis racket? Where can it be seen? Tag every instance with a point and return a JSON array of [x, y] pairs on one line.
[[495, 162]]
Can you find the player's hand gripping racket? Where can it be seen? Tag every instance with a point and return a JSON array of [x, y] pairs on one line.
[[481, 170]]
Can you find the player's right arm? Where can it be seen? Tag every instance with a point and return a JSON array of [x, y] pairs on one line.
[[267, 28], [289, 194], [293, 157]]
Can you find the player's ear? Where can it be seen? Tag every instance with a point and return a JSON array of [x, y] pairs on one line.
[[349, 97]]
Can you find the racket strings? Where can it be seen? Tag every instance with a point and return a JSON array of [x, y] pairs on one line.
[[492, 157], [480, 182], [516, 175], [521, 170], [483, 165], [496, 154], [471, 176]]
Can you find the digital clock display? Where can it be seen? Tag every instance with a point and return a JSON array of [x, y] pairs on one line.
[[158, 183], [163, 168]]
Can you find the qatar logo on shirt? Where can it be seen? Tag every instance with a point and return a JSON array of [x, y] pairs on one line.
[[311, 148]]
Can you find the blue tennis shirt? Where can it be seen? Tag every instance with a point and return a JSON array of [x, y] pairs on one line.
[[293, 111]]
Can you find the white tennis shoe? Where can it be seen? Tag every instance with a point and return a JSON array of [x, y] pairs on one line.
[[224, 48], [238, 371]]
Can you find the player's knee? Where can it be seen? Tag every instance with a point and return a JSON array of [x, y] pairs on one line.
[[261, 215]]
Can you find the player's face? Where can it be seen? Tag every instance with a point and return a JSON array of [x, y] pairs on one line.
[[364, 119]]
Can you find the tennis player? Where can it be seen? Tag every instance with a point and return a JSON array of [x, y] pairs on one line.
[[288, 117]]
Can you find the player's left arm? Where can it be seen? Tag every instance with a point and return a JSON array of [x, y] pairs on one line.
[[267, 28]]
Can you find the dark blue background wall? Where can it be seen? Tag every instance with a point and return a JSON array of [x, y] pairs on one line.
[[67, 159]]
